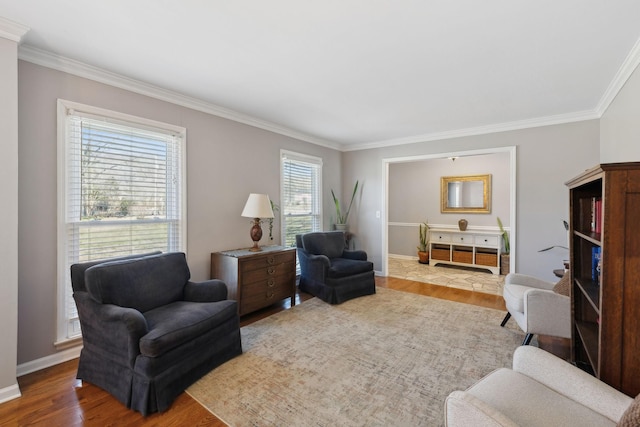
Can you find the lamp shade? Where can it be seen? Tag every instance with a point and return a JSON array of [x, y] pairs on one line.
[[258, 206]]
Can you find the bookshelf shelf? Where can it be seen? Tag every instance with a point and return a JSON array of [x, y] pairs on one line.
[[605, 273]]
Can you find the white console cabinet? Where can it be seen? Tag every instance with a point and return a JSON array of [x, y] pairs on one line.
[[479, 249]]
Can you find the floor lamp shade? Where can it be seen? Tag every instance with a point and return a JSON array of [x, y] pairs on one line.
[[257, 206]]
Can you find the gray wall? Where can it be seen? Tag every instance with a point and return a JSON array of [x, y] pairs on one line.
[[8, 217], [414, 196], [546, 158], [620, 124], [226, 161]]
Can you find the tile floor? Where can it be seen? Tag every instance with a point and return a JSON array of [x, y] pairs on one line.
[[469, 279]]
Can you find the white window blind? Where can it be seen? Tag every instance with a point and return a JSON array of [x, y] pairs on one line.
[[301, 183], [122, 191]]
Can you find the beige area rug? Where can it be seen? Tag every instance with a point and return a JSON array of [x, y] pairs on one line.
[[388, 359]]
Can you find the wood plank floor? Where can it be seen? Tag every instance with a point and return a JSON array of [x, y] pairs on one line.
[[54, 397]]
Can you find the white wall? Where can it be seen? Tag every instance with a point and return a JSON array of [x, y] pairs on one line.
[[620, 124], [546, 158], [226, 161], [8, 218]]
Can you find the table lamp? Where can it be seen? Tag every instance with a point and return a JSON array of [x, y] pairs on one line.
[[257, 206]]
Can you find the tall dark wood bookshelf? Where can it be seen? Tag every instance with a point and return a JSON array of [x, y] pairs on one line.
[[605, 301]]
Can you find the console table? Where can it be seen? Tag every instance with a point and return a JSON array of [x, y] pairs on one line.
[[257, 279], [479, 249]]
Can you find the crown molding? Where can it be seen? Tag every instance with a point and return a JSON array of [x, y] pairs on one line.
[[80, 69], [12, 30], [481, 130], [624, 72]]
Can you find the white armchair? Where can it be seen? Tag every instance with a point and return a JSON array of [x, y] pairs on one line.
[[536, 307], [540, 390]]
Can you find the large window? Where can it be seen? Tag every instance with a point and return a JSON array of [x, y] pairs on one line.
[[301, 183], [121, 191]]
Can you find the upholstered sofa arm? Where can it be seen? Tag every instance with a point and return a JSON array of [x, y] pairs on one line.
[[357, 255], [530, 281], [547, 313], [464, 409], [207, 291], [119, 328], [570, 381]]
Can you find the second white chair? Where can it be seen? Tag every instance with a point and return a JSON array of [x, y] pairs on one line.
[[538, 307]]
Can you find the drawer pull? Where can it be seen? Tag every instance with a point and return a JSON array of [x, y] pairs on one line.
[[270, 295], [271, 270], [271, 260], [271, 283]]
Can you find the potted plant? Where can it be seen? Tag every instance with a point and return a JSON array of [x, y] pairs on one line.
[[504, 256], [423, 252], [342, 217]]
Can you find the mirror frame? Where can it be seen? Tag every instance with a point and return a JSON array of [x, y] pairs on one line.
[[486, 194]]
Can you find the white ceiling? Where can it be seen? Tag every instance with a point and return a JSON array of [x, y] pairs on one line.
[[356, 73]]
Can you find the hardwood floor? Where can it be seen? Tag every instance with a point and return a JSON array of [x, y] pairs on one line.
[[54, 397]]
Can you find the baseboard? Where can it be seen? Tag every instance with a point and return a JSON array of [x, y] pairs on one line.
[[48, 361], [403, 257], [10, 393]]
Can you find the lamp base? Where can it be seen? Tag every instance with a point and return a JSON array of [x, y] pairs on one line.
[[256, 235]]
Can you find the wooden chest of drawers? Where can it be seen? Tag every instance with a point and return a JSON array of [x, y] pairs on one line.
[[257, 279]]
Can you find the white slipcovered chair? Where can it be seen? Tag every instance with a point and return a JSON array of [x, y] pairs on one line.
[[538, 307], [540, 390]]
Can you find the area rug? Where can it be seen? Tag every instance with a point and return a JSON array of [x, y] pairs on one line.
[[388, 359]]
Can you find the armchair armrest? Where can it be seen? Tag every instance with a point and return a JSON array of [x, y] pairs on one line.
[[314, 266], [530, 281], [464, 409], [111, 328], [547, 313], [356, 254], [570, 381], [207, 291]]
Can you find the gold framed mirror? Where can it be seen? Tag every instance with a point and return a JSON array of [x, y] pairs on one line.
[[465, 194]]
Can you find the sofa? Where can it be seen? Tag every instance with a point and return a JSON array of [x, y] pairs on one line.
[[540, 390], [331, 272], [148, 331]]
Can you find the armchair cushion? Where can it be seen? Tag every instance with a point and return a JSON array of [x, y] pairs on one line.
[[342, 267], [174, 324], [155, 281], [329, 244], [631, 417], [563, 287]]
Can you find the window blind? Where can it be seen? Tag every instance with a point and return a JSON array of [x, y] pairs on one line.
[[123, 195], [301, 201]]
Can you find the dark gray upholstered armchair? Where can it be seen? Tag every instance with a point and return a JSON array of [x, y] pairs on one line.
[[329, 271], [149, 332]]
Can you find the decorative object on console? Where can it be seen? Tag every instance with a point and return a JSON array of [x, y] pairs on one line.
[[423, 251], [341, 218], [462, 224], [257, 206]]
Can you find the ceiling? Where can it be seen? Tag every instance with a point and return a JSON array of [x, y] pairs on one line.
[[354, 74]]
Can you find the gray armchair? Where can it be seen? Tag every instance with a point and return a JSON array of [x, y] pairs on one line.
[[329, 271], [149, 332]]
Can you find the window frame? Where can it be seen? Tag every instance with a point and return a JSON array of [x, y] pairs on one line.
[[303, 158], [65, 109]]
